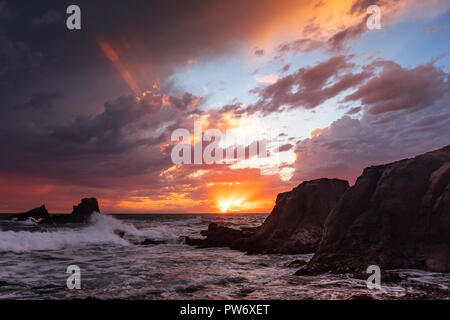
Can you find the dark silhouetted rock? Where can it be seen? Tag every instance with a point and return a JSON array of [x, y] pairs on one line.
[[361, 297], [120, 233], [36, 214], [297, 220], [396, 216], [148, 242], [294, 226], [81, 213], [219, 236], [296, 264]]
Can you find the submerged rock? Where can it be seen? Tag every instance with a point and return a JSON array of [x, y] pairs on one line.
[[35, 214], [294, 226], [396, 216]]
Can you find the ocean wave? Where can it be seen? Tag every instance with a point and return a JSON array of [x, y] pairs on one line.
[[101, 230], [186, 222]]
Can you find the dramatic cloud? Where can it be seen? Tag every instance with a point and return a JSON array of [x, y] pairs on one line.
[[349, 145], [381, 86], [337, 38], [397, 88], [91, 112], [309, 87]]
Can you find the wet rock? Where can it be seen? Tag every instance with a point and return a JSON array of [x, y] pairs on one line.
[[220, 236], [304, 271], [396, 216], [245, 292]]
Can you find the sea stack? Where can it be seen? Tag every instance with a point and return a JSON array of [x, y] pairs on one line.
[[81, 213]]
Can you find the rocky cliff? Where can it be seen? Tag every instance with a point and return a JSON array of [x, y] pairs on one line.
[[396, 216]]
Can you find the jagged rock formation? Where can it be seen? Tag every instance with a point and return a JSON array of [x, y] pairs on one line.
[[396, 216], [294, 226], [35, 214], [81, 213]]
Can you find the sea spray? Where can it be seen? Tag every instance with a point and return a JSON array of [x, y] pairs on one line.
[[101, 230]]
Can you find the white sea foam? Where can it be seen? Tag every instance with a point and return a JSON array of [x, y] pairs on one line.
[[101, 230]]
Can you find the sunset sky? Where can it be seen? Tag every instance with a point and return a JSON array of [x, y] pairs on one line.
[[90, 112]]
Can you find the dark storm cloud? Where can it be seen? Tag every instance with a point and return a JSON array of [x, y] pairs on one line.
[[5, 13], [49, 17], [123, 140], [42, 100], [150, 39], [16, 55]]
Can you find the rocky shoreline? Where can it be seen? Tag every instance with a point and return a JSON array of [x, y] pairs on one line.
[[396, 216]]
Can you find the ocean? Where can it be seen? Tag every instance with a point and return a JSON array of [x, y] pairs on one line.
[[34, 260]]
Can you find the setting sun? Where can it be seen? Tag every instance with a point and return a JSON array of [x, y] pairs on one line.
[[231, 205]]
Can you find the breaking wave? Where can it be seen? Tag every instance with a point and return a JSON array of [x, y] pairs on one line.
[[102, 230]]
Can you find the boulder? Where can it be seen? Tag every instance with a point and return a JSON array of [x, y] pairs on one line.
[[396, 216]]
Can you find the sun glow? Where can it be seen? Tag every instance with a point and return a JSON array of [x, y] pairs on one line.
[[231, 205]]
